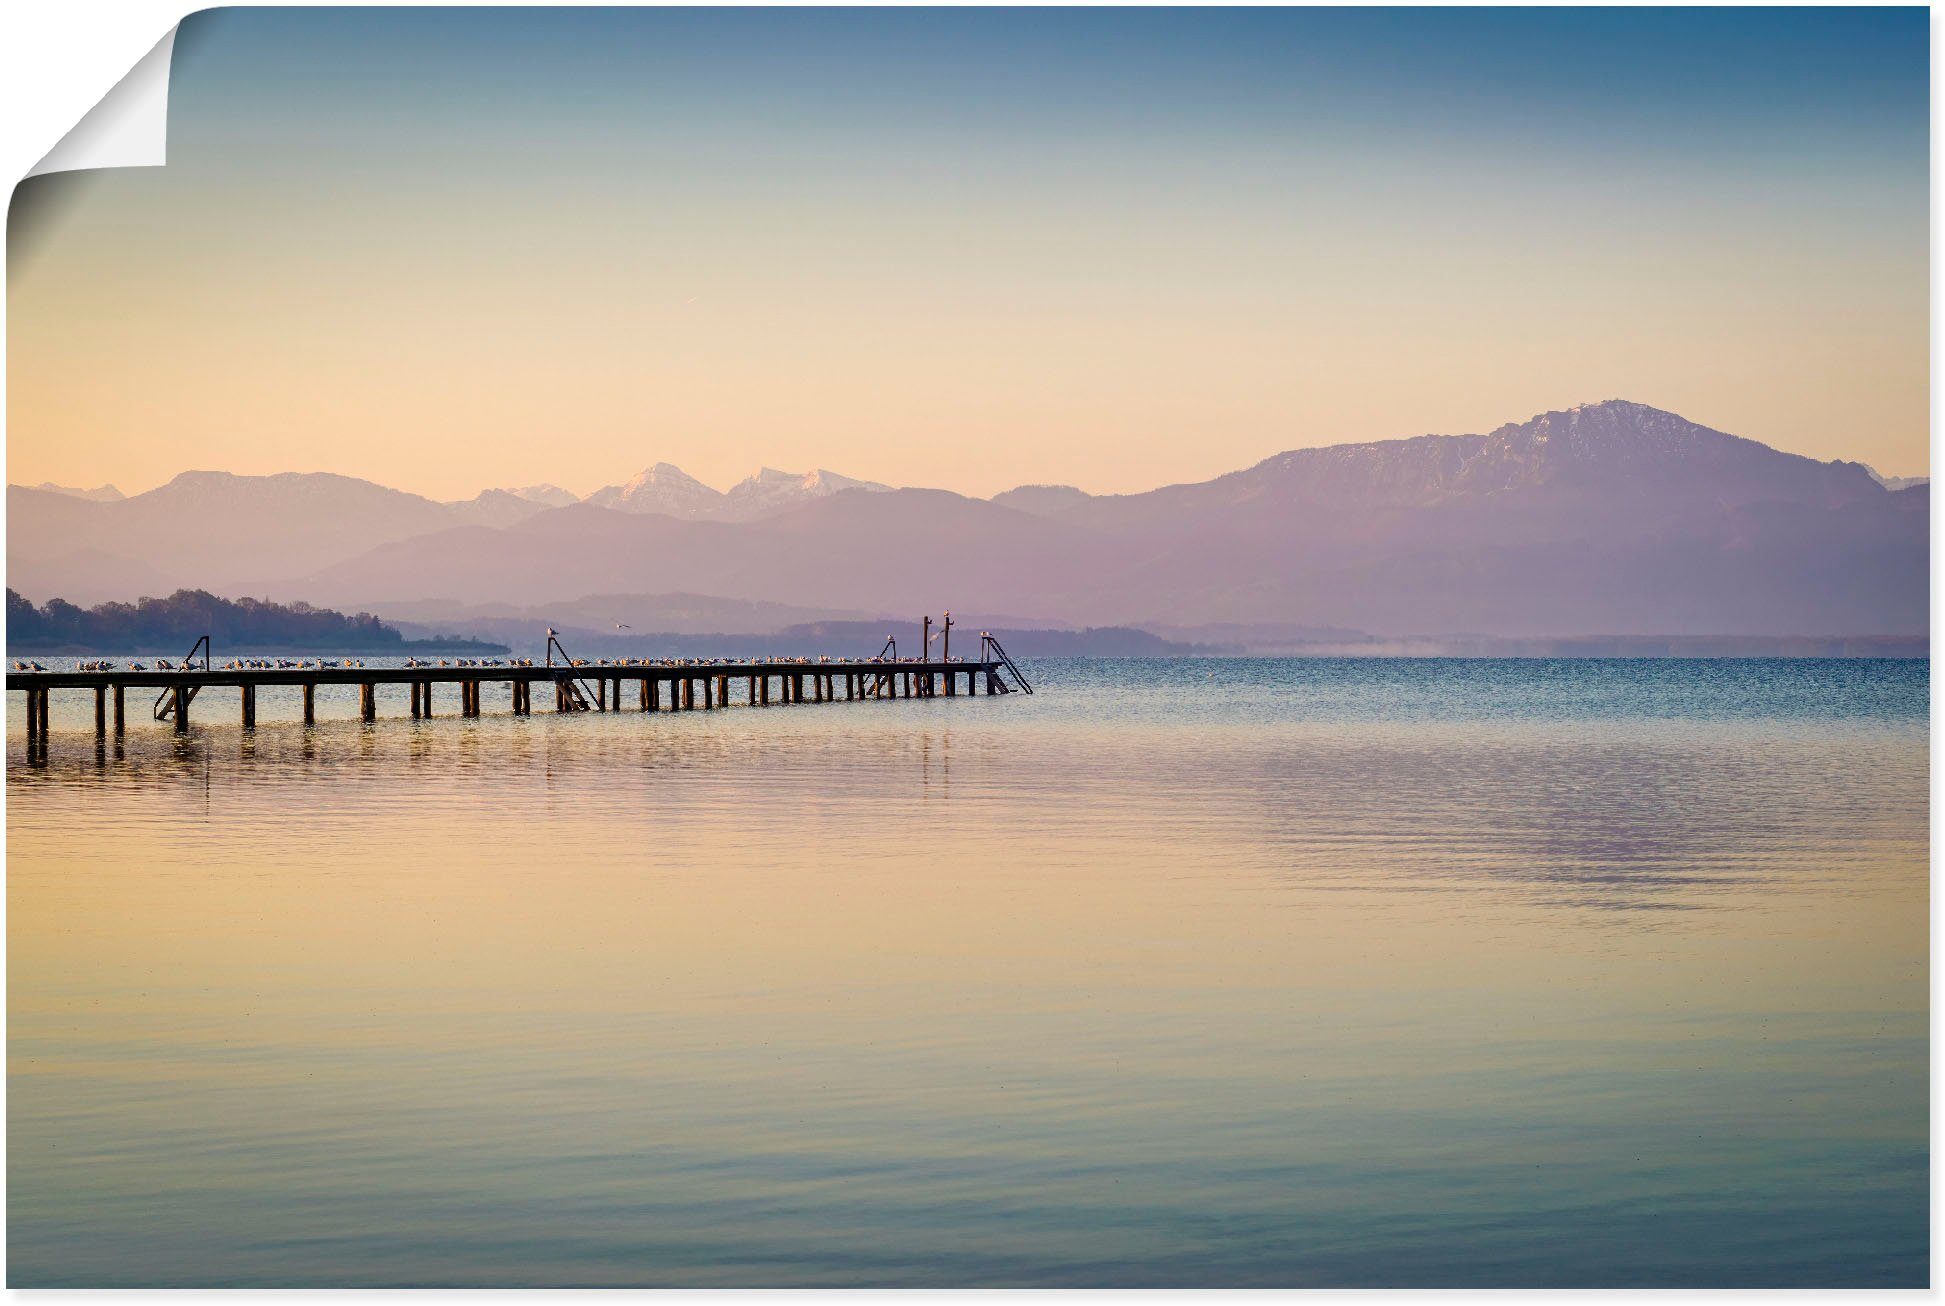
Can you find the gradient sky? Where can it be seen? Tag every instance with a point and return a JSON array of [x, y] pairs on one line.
[[448, 249]]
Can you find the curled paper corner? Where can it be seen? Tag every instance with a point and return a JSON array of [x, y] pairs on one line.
[[129, 128]]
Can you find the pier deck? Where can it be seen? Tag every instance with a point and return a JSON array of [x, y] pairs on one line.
[[656, 687]]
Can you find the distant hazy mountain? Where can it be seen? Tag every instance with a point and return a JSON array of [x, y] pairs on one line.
[[100, 494], [1895, 482], [770, 490], [209, 530], [642, 614], [1612, 519], [667, 489], [663, 488], [858, 550], [496, 508], [671, 491], [548, 496], [1042, 500]]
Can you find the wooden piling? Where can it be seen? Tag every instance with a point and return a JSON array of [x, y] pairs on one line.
[[248, 694], [367, 701], [310, 702], [101, 711], [181, 713], [121, 715]]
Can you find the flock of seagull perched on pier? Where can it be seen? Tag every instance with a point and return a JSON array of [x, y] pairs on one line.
[[314, 664], [688, 682], [234, 664]]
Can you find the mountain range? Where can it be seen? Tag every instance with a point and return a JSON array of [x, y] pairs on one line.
[[1611, 518]]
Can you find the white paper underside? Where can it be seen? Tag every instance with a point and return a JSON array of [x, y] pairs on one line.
[[129, 128]]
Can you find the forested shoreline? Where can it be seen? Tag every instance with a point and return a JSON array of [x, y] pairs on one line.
[[172, 624]]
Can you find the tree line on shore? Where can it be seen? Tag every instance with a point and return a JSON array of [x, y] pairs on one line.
[[184, 617]]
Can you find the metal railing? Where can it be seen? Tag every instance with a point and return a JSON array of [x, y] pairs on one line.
[[577, 698], [165, 702], [987, 642]]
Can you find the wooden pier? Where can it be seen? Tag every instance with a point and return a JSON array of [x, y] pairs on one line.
[[464, 690]]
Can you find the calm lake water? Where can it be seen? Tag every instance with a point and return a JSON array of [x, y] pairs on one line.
[[1176, 973]]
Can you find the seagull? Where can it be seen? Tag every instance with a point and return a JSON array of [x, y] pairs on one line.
[[623, 626]]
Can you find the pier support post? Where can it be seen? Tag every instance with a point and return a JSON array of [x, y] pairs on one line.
[[310, 703], [414, 687], [367, 701], [248, 695], [101, 710], [121, 715], [652, 694], [33, 716], [181, 713]]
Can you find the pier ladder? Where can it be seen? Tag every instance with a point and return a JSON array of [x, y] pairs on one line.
[[165, 702], [986, 641]]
